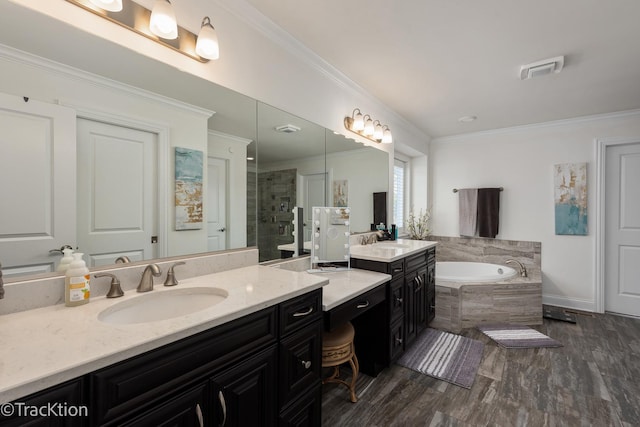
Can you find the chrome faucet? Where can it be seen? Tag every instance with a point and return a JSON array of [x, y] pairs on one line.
[[523, 270], [146, 282], [115, 290], [171, 277]]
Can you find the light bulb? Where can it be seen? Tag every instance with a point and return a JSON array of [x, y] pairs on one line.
[[377, 133], [163, 20], [109, 5], [207, 44], [358, 122], [387, 138], [368, 127]]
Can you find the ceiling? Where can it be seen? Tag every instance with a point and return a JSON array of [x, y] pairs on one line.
[[436, 61]]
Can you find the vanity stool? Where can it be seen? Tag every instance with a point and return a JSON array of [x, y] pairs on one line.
[[337, 348]]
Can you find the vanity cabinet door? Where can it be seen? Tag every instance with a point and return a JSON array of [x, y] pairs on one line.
[[396, 340], [69, 394], [305, 412], [396, 299], [420, 301], [431, 291], [410, 287], [186, 409], [245, 394]]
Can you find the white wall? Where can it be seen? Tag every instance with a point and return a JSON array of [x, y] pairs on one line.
[[186, 126], [521, 160]]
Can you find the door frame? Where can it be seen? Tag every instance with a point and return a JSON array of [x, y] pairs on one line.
[[599, 265], [162, 132]]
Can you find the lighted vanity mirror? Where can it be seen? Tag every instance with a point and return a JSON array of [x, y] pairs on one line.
[[330, 236], [176, 109]]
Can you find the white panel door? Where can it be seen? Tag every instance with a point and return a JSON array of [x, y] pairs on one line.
[[313, 188], [117, 192], [37, 184], [622, 234], [216, 204]]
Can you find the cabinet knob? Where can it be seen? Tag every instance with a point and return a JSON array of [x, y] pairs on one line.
[[306, 363], [398, 340], [399, 300]]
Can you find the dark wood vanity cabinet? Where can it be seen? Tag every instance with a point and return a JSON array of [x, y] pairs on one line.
[[410, 297], [260, 370]]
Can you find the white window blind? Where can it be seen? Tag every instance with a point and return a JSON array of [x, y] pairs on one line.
[[399, 184]]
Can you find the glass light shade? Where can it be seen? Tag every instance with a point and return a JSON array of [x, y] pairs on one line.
[[377, 133], [358, 122], [368, 127], [207, 44], [110, 5], [163, 20], [387, 138]]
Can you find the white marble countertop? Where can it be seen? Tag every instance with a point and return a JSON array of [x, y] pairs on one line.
[[46, 346], [345, 285], [389, 250]]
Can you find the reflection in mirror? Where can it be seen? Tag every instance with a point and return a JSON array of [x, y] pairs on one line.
[[291, 173], [330, 237]]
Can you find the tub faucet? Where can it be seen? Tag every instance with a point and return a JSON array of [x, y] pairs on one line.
[[146, 282], [523, 270]]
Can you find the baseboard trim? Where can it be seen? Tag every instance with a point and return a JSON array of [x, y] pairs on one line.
[[574, 303]]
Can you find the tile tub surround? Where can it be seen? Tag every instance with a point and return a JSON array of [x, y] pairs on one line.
[[465, 305], [49, 345], [34, 293]]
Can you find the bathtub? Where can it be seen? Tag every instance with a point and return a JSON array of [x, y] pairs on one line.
[[469, 294], [476, 272]]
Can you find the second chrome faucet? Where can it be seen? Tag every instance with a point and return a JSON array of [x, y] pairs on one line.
[[146, 282]]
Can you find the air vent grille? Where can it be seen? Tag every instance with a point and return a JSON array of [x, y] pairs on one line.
[[542, 68]]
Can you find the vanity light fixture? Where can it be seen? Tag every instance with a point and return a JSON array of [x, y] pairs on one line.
[[158, 25], [207, 45], [366, 127], [163, 20]]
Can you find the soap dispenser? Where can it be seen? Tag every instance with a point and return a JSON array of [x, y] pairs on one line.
[[67, 257], [77, 282]]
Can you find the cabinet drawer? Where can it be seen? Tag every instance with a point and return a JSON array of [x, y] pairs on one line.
[[300, 363], [396, 299], [396, 269], [354, 307], [431, 255], [306, 411], [415, 261], [144, 380], [301, 311], [396, 338]]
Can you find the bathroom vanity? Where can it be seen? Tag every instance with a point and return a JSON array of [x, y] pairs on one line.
[[410, 297], [252, 359]]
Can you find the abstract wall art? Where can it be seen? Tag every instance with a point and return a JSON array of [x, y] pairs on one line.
[[570, 196], [341, 193], [189, 165]]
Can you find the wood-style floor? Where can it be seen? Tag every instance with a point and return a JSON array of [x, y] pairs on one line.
[[593, 380]]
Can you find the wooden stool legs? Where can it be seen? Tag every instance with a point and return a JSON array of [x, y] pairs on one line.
[[338, 348]]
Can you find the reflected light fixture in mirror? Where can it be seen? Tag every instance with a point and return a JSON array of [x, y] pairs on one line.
[[110, 5], [366, 127], [207, 45], [163, 20]]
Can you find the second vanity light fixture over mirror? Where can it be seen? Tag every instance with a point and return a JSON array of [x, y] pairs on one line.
[[159, 25], [365, 126]]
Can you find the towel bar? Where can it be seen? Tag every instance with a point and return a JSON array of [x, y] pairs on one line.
[[455, 190]]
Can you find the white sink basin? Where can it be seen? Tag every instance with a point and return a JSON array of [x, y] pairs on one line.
[[390, 246], [156, 305]]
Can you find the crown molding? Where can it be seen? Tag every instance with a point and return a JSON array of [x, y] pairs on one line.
[[542, 125]]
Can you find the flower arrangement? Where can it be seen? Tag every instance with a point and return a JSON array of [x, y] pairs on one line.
[[418, 226]]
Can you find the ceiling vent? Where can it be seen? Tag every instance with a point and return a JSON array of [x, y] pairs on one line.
[[542, 68], [287, 128]]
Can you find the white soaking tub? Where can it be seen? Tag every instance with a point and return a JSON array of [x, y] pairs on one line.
[[472, 272]]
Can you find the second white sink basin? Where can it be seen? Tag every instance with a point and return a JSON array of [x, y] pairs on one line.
[[155, 305], [390, 246]]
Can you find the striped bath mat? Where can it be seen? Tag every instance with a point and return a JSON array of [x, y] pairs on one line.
[[517, 336], [448, 357]]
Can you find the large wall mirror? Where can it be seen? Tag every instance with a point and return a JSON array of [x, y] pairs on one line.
[[258, 162]]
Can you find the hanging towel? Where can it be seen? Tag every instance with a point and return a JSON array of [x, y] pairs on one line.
[[488, 211], [468, 200]]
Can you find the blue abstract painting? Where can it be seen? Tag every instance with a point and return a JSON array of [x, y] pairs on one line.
[[189, 167], [570, 180]]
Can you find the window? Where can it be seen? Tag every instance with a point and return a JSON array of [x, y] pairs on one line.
[[400, 176]]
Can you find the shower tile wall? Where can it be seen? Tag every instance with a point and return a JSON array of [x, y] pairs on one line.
[[252, 205], [276, 199]]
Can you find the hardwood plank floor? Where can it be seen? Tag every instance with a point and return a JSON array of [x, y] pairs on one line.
[[593, 380]]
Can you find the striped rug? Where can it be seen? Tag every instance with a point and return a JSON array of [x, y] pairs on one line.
[[517, 336], [448, 357]]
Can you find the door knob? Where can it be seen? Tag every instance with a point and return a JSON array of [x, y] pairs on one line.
[[61, 249], [222, 229]]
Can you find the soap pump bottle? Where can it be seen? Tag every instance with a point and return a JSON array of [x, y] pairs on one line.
[[77, 282], [67, 257]]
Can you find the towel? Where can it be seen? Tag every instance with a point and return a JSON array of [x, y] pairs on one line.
[[468, 200], [488, 211]]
